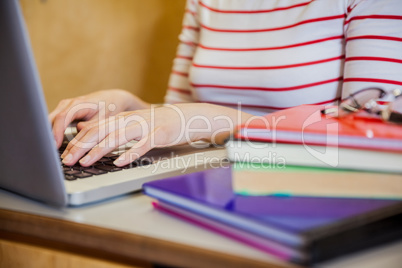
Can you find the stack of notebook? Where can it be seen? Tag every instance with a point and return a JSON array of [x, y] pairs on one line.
[[304, 136], [294, 227]]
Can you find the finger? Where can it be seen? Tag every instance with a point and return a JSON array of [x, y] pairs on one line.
[[136, 151], [100, 115], [111, 142], [87, 137], [128, 128], [79, 148], [57, 128], [83, 124], [75, 110], [79, 136], [60, 107], [102, 125], [85, 140]]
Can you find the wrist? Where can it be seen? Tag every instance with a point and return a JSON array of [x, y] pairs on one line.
[[211, 123], [135, 103]]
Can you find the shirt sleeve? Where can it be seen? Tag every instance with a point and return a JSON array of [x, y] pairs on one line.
[[373, 49], [179, 89]]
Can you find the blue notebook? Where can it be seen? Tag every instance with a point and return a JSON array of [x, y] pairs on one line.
[[296, 228]]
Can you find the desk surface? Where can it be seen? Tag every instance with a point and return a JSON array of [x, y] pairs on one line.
[[128, 227]]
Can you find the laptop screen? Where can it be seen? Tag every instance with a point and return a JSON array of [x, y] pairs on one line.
[[29, 163]]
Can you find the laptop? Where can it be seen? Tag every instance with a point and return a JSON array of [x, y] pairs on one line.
[[29, 160]]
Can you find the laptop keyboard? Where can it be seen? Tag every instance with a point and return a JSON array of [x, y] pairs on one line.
[[102, 166]]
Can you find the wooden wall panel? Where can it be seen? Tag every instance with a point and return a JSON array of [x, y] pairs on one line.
[[85, 45]]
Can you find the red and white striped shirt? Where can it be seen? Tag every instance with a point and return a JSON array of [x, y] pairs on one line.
[[273, 54]]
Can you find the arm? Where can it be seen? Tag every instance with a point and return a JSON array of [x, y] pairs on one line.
[[156, 127], [179, 89], [373, 32]]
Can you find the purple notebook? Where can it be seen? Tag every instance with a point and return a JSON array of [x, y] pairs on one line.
[[319, 227]]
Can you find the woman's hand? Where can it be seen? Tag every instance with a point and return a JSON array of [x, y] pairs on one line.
[[92, 108], [156, 127]]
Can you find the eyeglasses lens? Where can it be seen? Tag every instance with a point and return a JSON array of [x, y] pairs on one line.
[[358, 100]]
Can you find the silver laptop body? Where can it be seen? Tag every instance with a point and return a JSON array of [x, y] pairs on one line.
[[29, 161]]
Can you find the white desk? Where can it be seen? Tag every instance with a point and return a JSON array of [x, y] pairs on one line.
[[147, 232]]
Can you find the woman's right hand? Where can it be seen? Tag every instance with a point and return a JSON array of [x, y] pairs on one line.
[[91, 108], [157, 127]]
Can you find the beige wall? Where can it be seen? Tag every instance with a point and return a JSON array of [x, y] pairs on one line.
[[85, 45]]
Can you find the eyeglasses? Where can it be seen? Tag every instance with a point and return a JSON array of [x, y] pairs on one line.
[[367, 100]]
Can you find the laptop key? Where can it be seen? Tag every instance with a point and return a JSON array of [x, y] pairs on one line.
[[70, 177], [77, 166], [103, 160], [95, 171], [131, 165], [71, 172], [144, 162], [83, 175], [111, 156], [109, 163], [108, 168]]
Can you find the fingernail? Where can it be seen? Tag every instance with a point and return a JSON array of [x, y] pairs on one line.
[[68, 158], [118, 161], [64, 154], [85, 159]]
